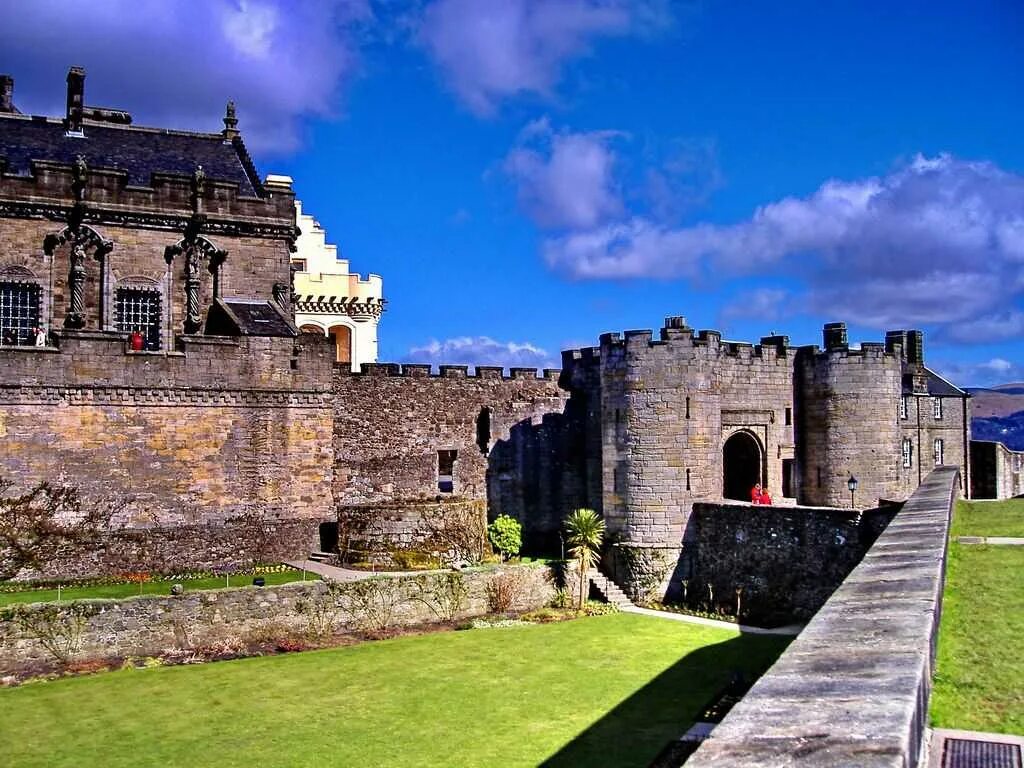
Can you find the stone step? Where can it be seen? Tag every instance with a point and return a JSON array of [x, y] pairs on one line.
[[609, 589], [321, 557]]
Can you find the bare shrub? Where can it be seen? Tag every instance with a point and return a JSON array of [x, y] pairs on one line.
[[505, 591], [372, 603], [455, 530], [58, 628]]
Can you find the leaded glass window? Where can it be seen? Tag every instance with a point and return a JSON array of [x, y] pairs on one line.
[[19, 312], [138, 309]]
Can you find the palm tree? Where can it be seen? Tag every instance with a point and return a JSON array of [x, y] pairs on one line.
[[585, 531]]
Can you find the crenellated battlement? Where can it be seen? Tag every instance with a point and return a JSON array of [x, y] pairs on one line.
[[422, 371]]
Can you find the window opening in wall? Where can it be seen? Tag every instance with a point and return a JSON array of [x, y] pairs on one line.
[[908, 453], [787, 478], [483, 430], [789, 419], [19, 313], [687, 479], [937, 407], [903, 407], [819, 476], [138, 309], [299, 264], [741, 465], [939, 453], [687, 407], [446, 470]]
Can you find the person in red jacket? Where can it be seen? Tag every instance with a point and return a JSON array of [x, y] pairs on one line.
[[765, 497], [755, 494]]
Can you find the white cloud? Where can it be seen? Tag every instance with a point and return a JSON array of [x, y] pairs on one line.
[[481, 350], [760, 304], [937, 241], [564, 179], [490, 50], [279, 60], [985, 329], [988, 373]]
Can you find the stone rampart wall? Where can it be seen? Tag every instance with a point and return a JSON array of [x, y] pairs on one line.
[[391, 424], [853, 688], [149, 624], [996, 471]]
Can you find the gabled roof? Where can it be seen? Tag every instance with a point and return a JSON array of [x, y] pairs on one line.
[[140, 152], [938, 386], [248, 317]]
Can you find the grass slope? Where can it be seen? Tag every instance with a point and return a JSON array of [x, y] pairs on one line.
[[989, 518], [116, 591], [979, 682], [609, 691]]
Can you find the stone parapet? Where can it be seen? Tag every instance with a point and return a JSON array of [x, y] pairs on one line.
[[853, 688]]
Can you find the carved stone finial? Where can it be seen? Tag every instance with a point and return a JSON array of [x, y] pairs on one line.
[[79, 177], [230, 122]]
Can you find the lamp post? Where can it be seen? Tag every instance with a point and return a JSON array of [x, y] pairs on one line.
[[852, 485]]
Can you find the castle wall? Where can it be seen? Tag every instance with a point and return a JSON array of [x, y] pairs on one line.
[[391, 423], [996, 471], [668, 407], [253, 266], [923, 428], [224, 429]]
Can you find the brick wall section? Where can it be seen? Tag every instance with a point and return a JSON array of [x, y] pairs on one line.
[[150, 624], [390, 422], [853, 688]]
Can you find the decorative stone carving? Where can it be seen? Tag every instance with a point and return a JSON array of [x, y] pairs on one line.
[[195, 248], [82, 238]]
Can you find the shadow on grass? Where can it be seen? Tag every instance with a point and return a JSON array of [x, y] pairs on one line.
[[640, 727]]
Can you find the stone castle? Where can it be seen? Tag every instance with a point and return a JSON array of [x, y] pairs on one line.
[[225, 410]]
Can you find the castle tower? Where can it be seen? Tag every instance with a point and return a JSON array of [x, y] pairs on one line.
[[847, 420]]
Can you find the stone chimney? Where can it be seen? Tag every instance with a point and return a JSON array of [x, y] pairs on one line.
[[76, 100], [230, 123], [7, 94], [835, 336]]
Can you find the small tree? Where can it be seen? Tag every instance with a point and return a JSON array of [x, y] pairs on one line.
[[585, 532], [506, 536]]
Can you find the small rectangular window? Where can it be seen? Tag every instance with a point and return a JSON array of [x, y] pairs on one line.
[[787, 477], [908, 453], [19, 313], [789, 419], [938, 453], [446, 470], [299, 264], [937, 407], [903, 407], [687, 407], [138, 309]]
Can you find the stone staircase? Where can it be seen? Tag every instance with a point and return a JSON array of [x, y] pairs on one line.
[[609, 590]]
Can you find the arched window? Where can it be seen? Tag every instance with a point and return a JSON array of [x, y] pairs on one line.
[[140, 308], [343, 342], [741, 465], [483, 430]]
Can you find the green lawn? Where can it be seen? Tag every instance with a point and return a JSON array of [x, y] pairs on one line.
[[989, 518], [114, 591], [608, 691], [979, 683]]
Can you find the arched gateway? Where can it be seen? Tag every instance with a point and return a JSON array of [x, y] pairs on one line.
[[741, 465]]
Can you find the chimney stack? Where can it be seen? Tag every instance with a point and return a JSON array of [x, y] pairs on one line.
[[7, 94], [76, 100], [835, 336]]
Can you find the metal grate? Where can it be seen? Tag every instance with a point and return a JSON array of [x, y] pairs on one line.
[[138, 309], [19, 313], [968, 753]]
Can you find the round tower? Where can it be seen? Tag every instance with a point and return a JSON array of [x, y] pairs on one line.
[[847, 427]]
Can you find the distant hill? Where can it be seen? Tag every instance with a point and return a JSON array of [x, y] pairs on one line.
[[998, 414]]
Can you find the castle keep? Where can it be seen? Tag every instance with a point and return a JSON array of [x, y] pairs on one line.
[[150, 356]]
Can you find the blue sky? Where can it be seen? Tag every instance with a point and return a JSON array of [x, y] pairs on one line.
[[526, 175]]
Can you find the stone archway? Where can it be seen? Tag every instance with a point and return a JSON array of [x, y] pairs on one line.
[[741, 465]]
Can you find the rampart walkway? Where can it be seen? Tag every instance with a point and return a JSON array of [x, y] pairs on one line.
[[853, 688]]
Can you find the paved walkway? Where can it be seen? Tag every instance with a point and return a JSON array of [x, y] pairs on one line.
[[791, 629], [1009, 541], [334, 573]]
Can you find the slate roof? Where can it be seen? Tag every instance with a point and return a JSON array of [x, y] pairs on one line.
[[937, 386], [138, 151], [248, 317]]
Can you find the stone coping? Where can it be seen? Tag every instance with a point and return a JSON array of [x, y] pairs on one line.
[[853, 688]]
